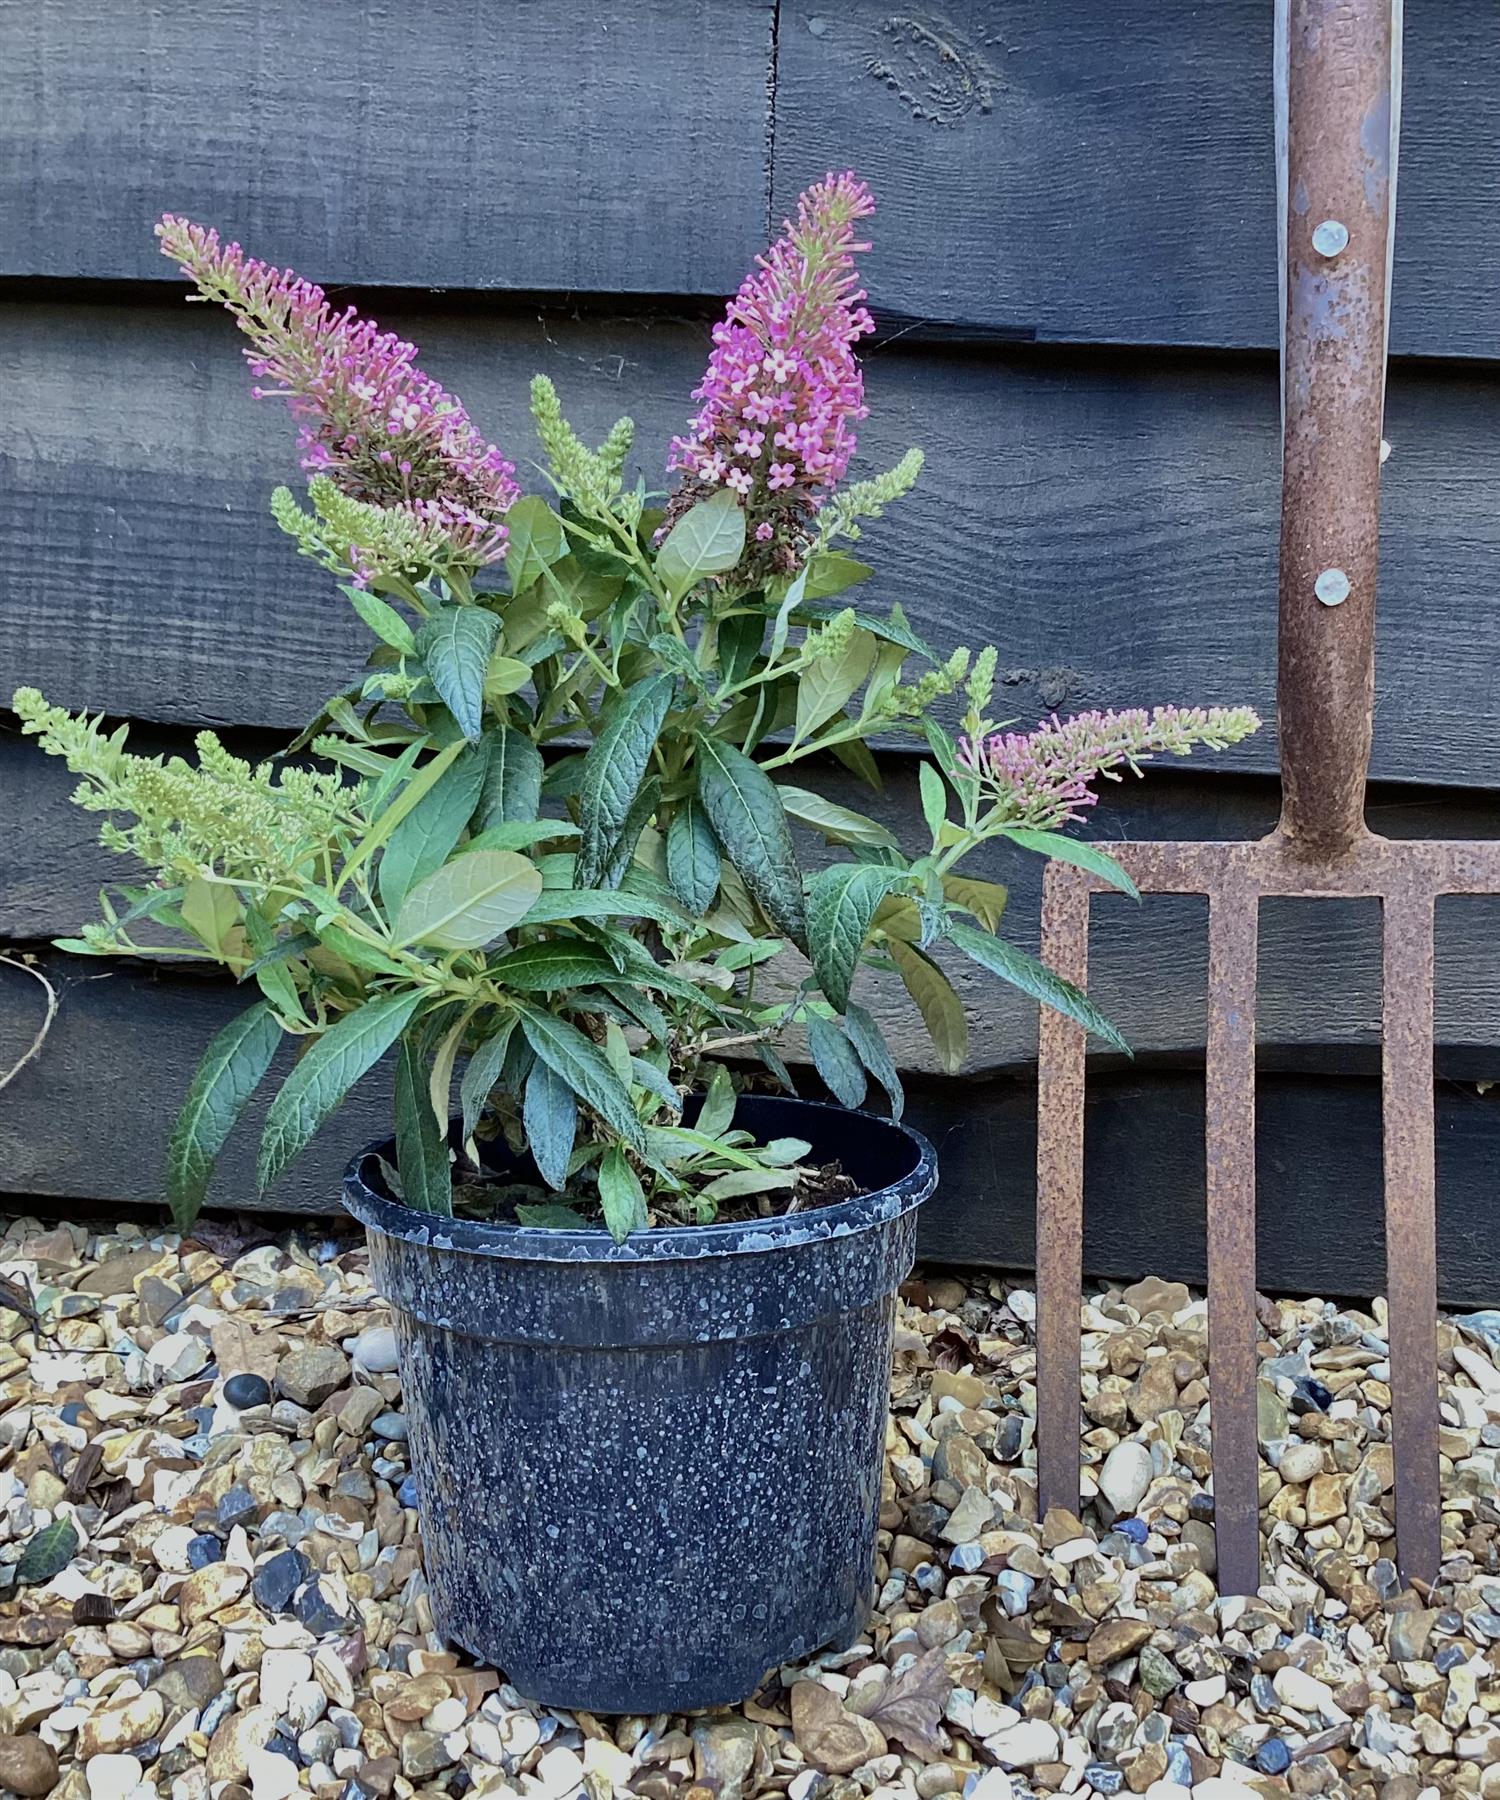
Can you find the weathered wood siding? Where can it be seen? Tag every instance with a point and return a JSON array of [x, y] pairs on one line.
[[1075, 273]]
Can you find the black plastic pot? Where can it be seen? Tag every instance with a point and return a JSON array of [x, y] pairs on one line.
[[650, 1472]]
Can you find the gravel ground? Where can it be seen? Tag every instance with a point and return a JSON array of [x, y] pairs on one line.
[[211, 1583]]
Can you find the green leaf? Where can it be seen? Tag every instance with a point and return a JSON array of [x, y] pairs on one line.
[[740, 638], [425, 838], [454, 644], [826, 685], [693, 857], [552, 1215], [675, 656], [834, 1058], [470, 901], [739, 1182], [612, 771], [622, 854], [620, 1195], [482, 1074], [893, 630], [716, 1114], [383, 620], [233, 1067], [831, 572], [941, 1009], [522, 834], [347, 1050], [550, 1116], [545, 968], [358, 953], [537, 541], [745, 810], [841, 903], [48, 1552], [210, 911], [386, 817], [272, 976], [934, 797], [584, 1068], [782, 624], [870, 1046], [513, 779], [505, 675], [945, 750], [1072, 850], [555, 904], [707, 540], [1036, 979], [985, 899], [837, 823], [421, 1141]]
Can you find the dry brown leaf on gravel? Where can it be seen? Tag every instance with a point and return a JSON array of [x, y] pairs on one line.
[[911, 1704]]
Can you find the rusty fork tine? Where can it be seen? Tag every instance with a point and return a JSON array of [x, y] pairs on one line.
[[1410, 1225], [1229, 1115], [1059, 1193]]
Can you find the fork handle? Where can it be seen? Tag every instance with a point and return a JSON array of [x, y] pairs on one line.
[[1338, 103]]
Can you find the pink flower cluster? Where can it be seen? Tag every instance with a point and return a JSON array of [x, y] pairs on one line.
[[783, 388], [368, 417], [1041, 778]]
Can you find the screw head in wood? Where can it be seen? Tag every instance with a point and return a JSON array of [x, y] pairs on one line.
[[1330, 237], [1332, 587]]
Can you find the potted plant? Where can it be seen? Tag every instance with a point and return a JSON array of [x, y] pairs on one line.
[[543, 850]]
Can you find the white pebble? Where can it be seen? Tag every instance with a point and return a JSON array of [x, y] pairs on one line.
[[374, 1350], [1125, 1476], [113, 1777]]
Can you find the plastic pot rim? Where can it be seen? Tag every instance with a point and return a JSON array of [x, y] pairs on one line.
[[365, 1199]]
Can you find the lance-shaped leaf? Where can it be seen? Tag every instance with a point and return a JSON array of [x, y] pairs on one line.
[[550, 1115], [602, 903], [707, 540], [827, 684], [562, 963], [584, 1067], [513, 779], [748, 819], [841, 902], [454, 644], [835, 1060], [870, 1046], [382, 619], [614, 767], [535, 543], [839, 824], [693, 857], [421, 1141], [620, 1195], [1072, 850], [346, 1051], [233, 1067], [470, 901], [425, 838], [1036, 979], [941, 1009], [482, 1074], [985, 899]]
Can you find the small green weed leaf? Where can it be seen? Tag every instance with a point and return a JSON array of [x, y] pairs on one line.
[[48, 1552], [550, 1215]]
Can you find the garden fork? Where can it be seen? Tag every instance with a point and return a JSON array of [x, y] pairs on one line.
[[1338, 103]]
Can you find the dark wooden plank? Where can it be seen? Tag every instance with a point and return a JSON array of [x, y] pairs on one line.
[[1086, 173], [1318, 1217], [1112, 524], [1320, 960], [598, 146], [88, 1120], [89, 1117]]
